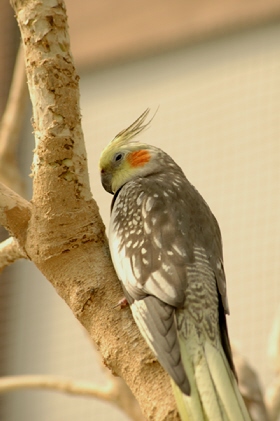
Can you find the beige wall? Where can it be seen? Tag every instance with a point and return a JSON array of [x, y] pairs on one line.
[[219, 118]]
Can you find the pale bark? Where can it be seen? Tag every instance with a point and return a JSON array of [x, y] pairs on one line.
[[11, 126], [62, 233], [10, 251], [14, 213]]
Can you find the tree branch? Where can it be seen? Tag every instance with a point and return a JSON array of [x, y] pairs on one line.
[[10, 251], [115, 392], [11, 125], [14, 213], [66, 236]]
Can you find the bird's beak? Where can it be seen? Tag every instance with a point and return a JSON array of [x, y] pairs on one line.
[[106, 180]]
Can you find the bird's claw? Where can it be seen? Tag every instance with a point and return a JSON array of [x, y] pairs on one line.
[[122, 303]]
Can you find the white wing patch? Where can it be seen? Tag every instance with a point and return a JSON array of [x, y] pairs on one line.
[[121, 263], [139, 311], [130, 274], [147, 228], [157, 242], [142, 264], [158, 286], [180, 251], [139, 198], [149, 204]]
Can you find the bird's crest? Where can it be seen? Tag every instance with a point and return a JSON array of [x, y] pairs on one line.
[[138, 126]]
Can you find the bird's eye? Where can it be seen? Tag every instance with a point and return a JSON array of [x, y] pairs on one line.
[[118, 157]]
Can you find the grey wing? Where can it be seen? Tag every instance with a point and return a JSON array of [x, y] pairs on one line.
[[148, 246], [152, 246], [150, 260], [174, 226], [216, 261], [156, 322]]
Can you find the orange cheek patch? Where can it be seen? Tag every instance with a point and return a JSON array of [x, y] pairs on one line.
[[138, 158]]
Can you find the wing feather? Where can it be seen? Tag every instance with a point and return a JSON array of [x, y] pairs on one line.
[[155, 237], [156, 321]]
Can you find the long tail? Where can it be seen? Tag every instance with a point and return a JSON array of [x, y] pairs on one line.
[[214, 392]]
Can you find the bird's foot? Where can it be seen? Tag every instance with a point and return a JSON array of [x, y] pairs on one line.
[[122, 303]]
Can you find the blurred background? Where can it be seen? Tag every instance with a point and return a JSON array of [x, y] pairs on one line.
[[213, 69]]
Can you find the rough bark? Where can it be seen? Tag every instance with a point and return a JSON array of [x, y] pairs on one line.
[[62, 232]]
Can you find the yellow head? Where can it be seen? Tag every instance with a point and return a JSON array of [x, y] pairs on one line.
[[124, 159]]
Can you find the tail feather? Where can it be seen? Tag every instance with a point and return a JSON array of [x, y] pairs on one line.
[[189, 407], [225, 383], [214, 392], [241, 402], [209, 395]]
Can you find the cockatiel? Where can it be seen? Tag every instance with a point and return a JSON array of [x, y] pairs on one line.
[[166, 248]]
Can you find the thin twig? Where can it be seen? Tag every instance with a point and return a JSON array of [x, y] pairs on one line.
[[11, 126], [10, 251], [14, 213], [11, 383], [112, 393]]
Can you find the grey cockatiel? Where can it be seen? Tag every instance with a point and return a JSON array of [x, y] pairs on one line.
[[167, 251]]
